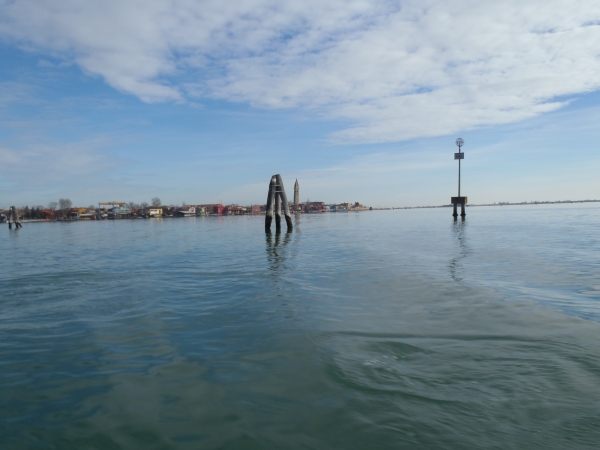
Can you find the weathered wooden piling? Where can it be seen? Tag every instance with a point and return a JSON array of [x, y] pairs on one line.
[[270, 205], [284, 203], [13, 217], [276, 201], [277, 210]]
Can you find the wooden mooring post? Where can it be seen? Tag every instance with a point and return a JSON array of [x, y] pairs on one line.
[[13, 217], [276, 202]]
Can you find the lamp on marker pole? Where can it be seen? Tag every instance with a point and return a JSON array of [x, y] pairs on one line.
[[459, 143]]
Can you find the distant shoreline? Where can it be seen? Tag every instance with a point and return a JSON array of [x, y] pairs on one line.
[[559, 202], [493, 204]]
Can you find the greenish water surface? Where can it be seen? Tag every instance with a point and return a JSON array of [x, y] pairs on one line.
[[374, 330]]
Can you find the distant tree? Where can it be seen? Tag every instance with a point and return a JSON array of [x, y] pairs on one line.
[[133, 205], [26, 212], [144, 205], [52, 205], [64, 204], [156, 201], [91, 207]]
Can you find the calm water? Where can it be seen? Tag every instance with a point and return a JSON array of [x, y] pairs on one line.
[[374, 330]]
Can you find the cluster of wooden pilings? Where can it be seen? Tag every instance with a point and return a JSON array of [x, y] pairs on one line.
[[276, 201], [13, 217]]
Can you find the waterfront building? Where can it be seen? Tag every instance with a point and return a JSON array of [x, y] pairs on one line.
[[317, 207], [46, 214], [169, 211], [187, 210], [234, 210], [342, 207], [87, 214], [213, 208]]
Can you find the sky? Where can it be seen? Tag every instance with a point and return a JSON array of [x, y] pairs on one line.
[[360, 100]]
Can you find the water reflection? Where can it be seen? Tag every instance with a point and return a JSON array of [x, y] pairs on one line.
[[276, 244], [459, 230]]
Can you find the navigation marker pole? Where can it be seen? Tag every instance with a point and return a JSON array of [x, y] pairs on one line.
[[459, 200]]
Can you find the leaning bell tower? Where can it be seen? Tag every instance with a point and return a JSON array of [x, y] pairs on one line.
[[296, 195]]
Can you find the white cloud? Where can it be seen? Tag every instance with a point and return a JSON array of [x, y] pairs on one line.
[[390, 70]]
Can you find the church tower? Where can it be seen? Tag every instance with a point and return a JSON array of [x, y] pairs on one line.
[[296, 195]]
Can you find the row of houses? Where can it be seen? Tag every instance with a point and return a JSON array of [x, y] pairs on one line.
[[312, 207], [217, 209], [344, 207], [120, 210]]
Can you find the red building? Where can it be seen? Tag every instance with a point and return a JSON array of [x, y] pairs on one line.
[[234, 210], [318, 207], [213, 208]]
